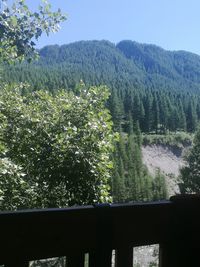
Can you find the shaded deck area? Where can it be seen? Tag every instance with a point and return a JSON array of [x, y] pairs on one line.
[[98, 230]]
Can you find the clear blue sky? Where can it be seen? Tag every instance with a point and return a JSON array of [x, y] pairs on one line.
[[171, 24]]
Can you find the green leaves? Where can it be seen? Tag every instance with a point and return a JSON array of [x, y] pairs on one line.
[[61, 142], [19, 26], [13, 21], [14, 190]]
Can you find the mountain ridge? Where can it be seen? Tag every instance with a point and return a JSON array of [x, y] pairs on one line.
[[128, 62]]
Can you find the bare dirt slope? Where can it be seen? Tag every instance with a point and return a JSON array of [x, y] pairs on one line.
[[168, 159]]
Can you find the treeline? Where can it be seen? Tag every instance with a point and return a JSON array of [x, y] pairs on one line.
[[155, 111]]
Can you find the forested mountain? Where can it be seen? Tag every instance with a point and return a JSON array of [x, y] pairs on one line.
[[127, 64], [158, 88], [94, 62], [152, 90], [178, 70]]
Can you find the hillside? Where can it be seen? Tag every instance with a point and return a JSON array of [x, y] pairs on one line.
[[167, 160], [179, 70], [94, 62], [160, 89], [153, 91], [167, 153], [125, 65]]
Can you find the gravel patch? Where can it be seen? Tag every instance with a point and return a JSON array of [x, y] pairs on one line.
[[168, 159]]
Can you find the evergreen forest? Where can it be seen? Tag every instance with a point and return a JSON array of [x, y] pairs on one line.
[[153, 91], [159, 89]]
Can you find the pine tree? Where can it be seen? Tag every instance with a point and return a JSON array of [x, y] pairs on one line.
[[191, 117], [138, 109], [131, 167], [182, 118], [190, 174], [163, 112], [116, 109], [155, 114], [159, 186], [147, 122], [118, 183], [137, 132]]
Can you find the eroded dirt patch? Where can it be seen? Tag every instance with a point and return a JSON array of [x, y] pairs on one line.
[[168, 160]]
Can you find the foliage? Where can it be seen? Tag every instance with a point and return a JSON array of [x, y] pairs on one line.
[[177, 140], [190, 174], [153, 264], [159, 186], [157, 95], [53, 262], [19, 27], [14, 189], [61, 143]]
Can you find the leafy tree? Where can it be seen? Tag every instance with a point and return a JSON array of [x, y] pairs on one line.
[[62, 143], [19, 27], [14, 189]]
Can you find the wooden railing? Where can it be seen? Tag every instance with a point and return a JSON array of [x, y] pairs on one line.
[[97, 230]]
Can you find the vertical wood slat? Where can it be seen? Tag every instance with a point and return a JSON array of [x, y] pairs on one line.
[[179, 254], [101, 258], [163, 256], [75, 260], [124, 257]]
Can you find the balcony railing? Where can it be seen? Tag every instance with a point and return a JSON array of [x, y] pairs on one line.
[[72, 232]]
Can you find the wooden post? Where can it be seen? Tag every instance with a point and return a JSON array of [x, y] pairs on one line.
[[75, 260], [124, 257], [102, 255], [183, 245], [100, 258]]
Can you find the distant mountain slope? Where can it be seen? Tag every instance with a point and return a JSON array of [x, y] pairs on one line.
[[125, 65], [164, 69], [94, 62]]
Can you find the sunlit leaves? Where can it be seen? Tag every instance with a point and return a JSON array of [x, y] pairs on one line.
[[61, 142], [14, 189], [19, 27]]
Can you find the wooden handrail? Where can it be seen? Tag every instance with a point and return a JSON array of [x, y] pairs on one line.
[[97, 230]]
